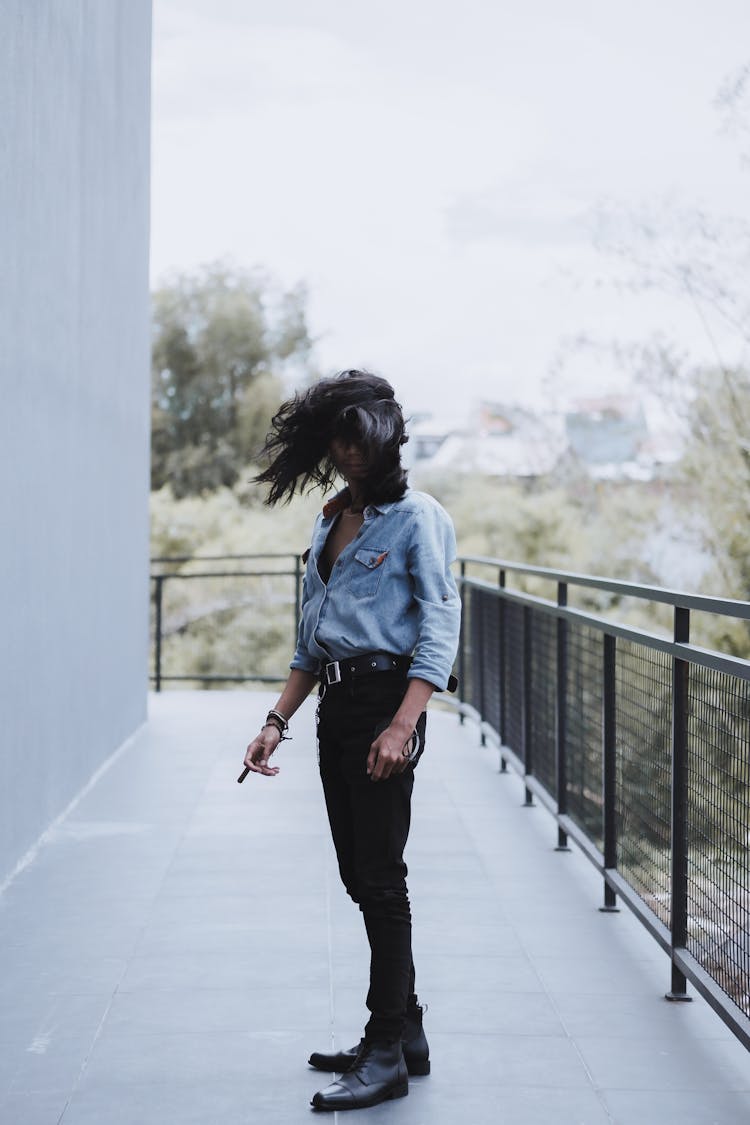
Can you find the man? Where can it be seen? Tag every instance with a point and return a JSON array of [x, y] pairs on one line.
[[379, 633]]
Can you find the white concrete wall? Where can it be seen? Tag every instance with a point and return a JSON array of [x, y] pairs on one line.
[[74, 398]]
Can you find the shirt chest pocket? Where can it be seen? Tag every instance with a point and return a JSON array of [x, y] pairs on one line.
[[366, 571]]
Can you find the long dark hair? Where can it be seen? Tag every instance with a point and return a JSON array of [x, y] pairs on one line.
[[355, 406]]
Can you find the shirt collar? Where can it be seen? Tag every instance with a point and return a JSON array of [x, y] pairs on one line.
[[337, 503], [343, 499], [386, 505]]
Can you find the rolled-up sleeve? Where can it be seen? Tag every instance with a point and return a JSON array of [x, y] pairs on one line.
[[304, 661], [302, 658], [431, 552]]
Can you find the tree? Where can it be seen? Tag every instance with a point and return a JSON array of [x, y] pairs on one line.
[[223, 341], [703, 261], [715, 471], [707, 265]]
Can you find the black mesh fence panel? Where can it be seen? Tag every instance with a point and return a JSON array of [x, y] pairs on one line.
[[225, 625], [506, 639], [584, 728], [472, 647], [491, 658], [718, 827], [543, 697], [644, 724], [513, 676]]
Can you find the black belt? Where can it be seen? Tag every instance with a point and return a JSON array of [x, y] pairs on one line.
[[342, 671]]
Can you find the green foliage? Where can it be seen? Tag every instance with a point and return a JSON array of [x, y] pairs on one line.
[[576, 525], [583, 526], [223, 339], [230, 521], [716, 467], [708, 495], [494, 516], [229, 625]]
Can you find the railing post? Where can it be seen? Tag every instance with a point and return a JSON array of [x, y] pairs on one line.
[[501, 668], [478, 666], [679, 874], [528, 754], [159, 582], [462, 646], [609, 768], [561, 716]]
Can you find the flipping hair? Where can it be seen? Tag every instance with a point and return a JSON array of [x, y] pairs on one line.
[[355, 406]]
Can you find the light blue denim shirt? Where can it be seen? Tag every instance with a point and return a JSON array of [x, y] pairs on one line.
[[390, 590]]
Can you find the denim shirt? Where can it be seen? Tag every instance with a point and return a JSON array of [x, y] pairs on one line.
[[390, 590]]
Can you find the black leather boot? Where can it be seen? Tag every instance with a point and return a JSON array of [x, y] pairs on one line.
[[377, 1074], [415, 1046]]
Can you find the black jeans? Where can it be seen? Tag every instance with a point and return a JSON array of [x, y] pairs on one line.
[[370, 826]]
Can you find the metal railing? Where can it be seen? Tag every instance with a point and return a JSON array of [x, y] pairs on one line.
[[639, 745], [245, 598]]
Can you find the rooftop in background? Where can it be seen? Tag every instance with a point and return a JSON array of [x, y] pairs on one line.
[[180, 944], [611, 437]]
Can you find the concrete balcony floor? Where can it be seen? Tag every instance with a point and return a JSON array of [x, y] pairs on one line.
[[180, 944]]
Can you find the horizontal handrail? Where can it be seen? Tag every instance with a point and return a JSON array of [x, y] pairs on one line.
[[293, 574], [694, 654], [727, 607], [227, 574], [221, 558]]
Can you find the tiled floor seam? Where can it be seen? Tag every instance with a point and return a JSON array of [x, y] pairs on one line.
[[598, 1093], [597, 1090], [30, 855], [189, 819], [155, 897], [484, 868], [84, 1064], [329, 926]]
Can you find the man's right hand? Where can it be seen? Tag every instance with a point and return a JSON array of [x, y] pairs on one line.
[[260, 750]]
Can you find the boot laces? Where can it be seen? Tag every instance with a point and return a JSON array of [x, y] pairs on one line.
[[365, 1048]]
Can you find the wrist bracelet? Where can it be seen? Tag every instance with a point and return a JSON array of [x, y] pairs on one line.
[[277, 715], [282, 737]]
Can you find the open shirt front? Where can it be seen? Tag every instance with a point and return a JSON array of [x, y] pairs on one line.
[[391, 590]]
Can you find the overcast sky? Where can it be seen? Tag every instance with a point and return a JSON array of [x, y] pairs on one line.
[[434, 171]]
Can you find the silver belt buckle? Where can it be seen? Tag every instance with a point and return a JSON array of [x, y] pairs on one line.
[[333, 672]]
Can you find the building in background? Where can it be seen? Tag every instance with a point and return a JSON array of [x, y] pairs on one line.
[[608, 438], [74, 429], [500, 440]]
